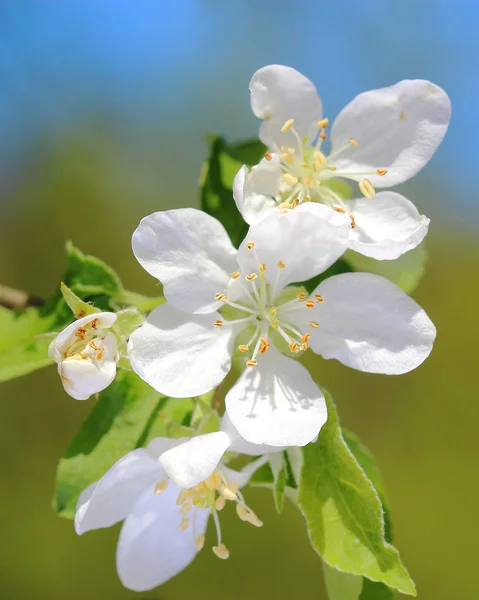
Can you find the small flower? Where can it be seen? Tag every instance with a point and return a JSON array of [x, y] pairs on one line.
[[222, 301], [380, 139], [165, 494], [86, 353]]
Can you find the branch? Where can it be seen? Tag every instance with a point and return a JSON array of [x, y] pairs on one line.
[[16, 299]]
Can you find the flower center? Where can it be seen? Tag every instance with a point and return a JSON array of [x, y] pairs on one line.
[[87, 342], [307, 171], [212, 494], [270, 313]]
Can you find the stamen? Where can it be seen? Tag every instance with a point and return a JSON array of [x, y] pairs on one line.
[[366, 188], [323, 135], [184, 524], [182, 496], [200, 542], [265, 345], [253, 519], [228, 494], [219, 296], [221, 551], [304, 341], [288, 149], [353, 221], [381, 172], [301, 296], [80, 333], [290, 179], [242, 512], [309, 303], [235, 275], [262, 268], [288, 159], [314, 324], [218, 323], [323, 123], [281, 264], [251, 363], [161, 486], [339, 209], [186, 508], [220, 503], [272, 311], [353, 142], [243, 348], [294, 347], [287, 126], [268, 155], [319, 159], [319, 298], [250, 245], [251, 277]]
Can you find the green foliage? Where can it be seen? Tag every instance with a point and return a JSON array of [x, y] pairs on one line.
[[280, 475], [340, 585], [216, 182], [114, 427], [344, 513], [406, 271]]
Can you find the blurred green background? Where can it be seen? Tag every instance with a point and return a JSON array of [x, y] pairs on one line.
[[103, 107]]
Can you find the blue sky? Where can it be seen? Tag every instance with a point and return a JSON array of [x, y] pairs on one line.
[[168, 71]]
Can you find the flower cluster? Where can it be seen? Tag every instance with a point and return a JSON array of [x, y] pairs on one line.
[[249, 309]]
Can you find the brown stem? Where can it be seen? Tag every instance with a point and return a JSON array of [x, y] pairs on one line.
[[16, 299]]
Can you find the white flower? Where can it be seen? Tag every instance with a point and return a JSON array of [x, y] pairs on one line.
[[185, 346], [380, 139], [165, 494], [86, 354]]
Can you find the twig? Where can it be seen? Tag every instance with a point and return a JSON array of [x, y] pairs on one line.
[[16, 299]]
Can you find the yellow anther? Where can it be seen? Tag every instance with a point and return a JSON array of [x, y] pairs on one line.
[[323, 123], [184, 524], [161, 486], [220, 503], [228, 493], [253, 519], [287, 126], [290, 179], [243, 348], [294, 347], [301, 296], [218, 323], [353, 142], [252, 363], [218, 479], [281, 264], [251, 277], [233, 486], [310, 182], [219, 296], [319, 159], [272, 310], [339, 209], [307, 198], [319, 298], [283, 211], [314, 324], [366, 188], [353, 221], [288, 149], [185, 509], [182, 496], [381, 172], [99, 355], [294, 203], [94, 323], [221, 551], [262, 268], [210, 483], [93, 345], [305, 341], [309, 303], [250, 245], [235, 275], [242, 512], [200, 542], [80, 333], [275, 324], [268, 155], [287, 159], [265, 345], [323, 135]]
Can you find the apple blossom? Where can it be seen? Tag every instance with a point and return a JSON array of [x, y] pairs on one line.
[[165, 494], [87, 354], [380, 139], [221, 300]]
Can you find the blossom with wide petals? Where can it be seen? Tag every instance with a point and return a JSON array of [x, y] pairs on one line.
[[380, 139], [221, 300], [87, 354], [165, 494]]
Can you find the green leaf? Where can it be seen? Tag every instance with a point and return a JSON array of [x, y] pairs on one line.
[[216, 182], [344, 513], [280, 475], [89, 274], [340, 585], [373, 590], [113, 428], [406, 271], [76, 304]]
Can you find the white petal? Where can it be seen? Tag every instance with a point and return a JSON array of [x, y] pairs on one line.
[[370, 324], [67, 336], [158, 445], [307, 239], [195, 459], [83, 378], [240, 445], [151, 548], [191, 254], [397, 128], [280, 93], [243, 476], [276, 403], [253, 191], [387, 225], [113, 497], [180, 354]]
